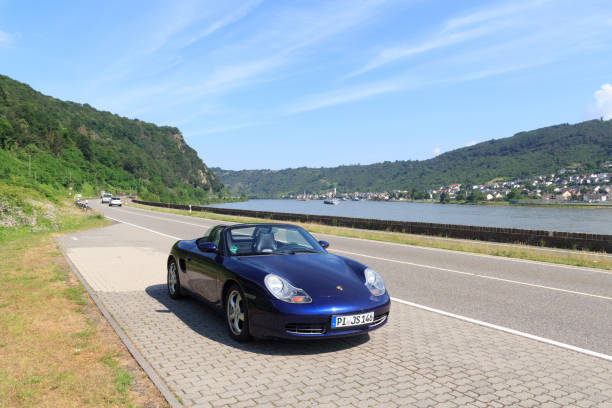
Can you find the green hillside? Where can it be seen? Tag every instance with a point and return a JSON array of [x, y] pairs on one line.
[[525, 154], [51, 145]]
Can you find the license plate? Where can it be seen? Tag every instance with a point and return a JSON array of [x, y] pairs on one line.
[[352, 320]]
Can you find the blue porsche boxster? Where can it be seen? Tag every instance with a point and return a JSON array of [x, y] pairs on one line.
[[276, 280]]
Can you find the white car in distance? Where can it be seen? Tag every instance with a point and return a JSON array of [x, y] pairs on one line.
[[114, 201], [106, 198]]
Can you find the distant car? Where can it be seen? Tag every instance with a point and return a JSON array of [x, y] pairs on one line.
[[114, 201], [78, 196], [276, 280], [106, 198]]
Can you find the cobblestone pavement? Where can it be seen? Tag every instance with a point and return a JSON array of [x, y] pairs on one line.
[[419, 358]]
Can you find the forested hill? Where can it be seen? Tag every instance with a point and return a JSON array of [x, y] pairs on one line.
[[61, 144], [525, 154]]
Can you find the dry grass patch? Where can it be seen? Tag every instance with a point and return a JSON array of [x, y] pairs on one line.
[[56, 349], [520, 251]]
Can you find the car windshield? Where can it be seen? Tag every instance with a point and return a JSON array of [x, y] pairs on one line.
[[270, 240], [115, 198]]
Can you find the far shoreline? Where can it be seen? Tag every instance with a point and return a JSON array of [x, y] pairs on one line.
[[490, 203]]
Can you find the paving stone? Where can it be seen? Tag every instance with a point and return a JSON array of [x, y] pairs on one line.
[[419, 359]]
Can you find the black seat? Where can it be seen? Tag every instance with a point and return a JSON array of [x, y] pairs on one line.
[[265, 242]]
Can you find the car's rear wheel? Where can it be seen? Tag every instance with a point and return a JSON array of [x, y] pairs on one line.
[[236, 314], [174, 282]]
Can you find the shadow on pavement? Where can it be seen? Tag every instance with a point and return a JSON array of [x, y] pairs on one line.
[[208, 323]]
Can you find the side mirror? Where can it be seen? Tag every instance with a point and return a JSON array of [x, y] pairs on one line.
[[324, 244], [207, 246]]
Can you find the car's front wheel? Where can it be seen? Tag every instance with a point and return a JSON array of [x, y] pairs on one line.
[[236, 314], [174, 282]]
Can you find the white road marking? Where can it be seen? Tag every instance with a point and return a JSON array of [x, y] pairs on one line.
[[476, 275], [403, 262], [502, 258], [143, 228], [591, 270], [507, 330], [75, 239], [456, 316], [171, 220]]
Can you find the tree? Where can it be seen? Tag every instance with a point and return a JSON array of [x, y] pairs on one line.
[[515, 194], [444, 197], [461, 196], [418, 195], [475, 196], [6, 134]]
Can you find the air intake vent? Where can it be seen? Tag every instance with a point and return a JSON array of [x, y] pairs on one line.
[[305, 328], [379, 320]]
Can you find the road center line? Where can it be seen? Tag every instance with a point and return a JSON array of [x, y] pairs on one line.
[[476, 275], [448, 314], [501, 258], [143, 228], [409, 263], [170, 220], [506, 329]]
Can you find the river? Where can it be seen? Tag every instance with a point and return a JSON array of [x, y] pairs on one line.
[[589, 220]]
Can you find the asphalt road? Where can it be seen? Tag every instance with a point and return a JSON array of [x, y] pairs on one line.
[[566, 304]]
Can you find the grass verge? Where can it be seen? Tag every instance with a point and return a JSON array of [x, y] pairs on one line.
[[56, 349], [520, 251]]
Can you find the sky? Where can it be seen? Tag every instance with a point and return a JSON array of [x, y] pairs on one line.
[[275, 84]]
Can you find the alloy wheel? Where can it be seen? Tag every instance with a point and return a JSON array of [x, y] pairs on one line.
[[235, 312], [172, 281]]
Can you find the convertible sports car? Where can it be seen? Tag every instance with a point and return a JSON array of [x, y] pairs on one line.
[[276, 280]]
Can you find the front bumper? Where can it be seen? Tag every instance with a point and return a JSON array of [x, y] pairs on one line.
[[290, 321]]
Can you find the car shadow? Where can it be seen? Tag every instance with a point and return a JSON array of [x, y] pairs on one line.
[[209, 323]]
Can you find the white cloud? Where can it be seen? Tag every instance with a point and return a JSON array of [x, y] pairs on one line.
[[196, 68], [5, 38], [487, 15], [603, 102], [393, 54], [437, 150], [454, 31], [328, 99], [224, 21], [472, 143]]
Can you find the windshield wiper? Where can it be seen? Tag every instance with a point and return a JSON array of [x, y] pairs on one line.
[[302, 251], [259, 253]]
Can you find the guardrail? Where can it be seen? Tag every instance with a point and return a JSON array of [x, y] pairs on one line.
[[555, 239]]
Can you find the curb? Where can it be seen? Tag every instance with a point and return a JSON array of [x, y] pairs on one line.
[[159, 383]]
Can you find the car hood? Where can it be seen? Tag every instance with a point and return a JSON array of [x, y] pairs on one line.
[[319, 275]]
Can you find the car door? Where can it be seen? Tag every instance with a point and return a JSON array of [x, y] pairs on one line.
[[203, 269]]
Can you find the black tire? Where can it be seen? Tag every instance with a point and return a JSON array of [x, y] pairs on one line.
[[174, 285], [237, 314]]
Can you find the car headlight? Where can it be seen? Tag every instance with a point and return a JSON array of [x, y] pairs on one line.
[[374, 282], [283, 290]]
